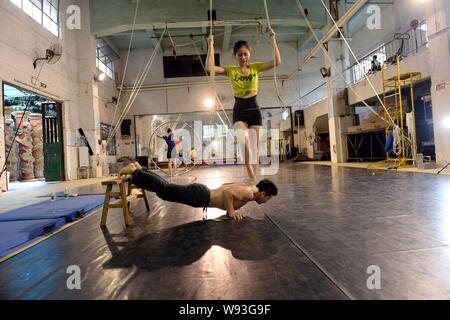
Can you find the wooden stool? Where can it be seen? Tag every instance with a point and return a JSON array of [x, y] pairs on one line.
[[134, 191], [123, 200]]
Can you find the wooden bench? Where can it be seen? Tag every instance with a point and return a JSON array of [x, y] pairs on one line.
[[124, 198]]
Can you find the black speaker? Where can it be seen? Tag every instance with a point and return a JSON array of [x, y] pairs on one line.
[[213, 15], [125, 127], [301, 118]]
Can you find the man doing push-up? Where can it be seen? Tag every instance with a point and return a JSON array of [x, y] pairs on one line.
[[229, 196]]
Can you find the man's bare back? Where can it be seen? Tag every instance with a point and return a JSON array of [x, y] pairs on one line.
[[218, 196]]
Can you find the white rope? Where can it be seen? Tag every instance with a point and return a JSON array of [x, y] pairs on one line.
[[218, 100], [212, 71], [172, 42], [140, 81], [274, 60], [138, 84], [124, 70], [397, 134], [333, 64]]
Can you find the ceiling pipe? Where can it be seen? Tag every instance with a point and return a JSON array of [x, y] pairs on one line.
[[180, 85], [205, 24]]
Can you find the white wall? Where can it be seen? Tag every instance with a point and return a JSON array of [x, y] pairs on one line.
[[310, 78], [311, 114], [69, 81]]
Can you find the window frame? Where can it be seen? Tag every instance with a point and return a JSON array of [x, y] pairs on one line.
[[104, 63], [36, 10]]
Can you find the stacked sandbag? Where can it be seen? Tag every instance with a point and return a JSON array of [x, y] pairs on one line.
[[38, 145], [25, 144], [11, 162], [374, 122]]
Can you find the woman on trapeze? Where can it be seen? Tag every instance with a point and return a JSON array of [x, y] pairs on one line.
[[244, 83]]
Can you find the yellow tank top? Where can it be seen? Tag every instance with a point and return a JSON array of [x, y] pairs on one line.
[[242, 83]]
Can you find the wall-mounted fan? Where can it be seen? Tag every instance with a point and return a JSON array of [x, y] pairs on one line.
[[52, 55]]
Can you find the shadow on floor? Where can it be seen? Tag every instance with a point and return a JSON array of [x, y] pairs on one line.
[[248, 239]]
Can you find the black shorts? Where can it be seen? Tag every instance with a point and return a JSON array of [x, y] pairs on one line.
[[169, 152], [247, 110]]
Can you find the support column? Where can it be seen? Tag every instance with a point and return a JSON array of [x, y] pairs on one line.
[[88, 92], [339, 115], [438, 23]]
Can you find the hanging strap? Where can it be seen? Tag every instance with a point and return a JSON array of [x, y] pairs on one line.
[[212, 76], [282, 105]]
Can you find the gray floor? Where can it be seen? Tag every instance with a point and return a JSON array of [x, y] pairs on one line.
[[315, 240]]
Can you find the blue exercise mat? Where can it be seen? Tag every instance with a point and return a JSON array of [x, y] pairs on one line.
[[70, 208], [16, 234], [20, 226]]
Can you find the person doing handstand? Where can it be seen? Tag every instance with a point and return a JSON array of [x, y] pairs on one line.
[[229, 196]]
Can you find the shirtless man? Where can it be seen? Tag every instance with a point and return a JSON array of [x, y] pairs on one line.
[[229, 196]]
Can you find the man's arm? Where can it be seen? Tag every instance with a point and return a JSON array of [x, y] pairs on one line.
[[228, 203], [236, 194]]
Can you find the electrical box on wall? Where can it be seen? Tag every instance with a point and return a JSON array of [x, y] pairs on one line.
[[299, 118], [427, 108]]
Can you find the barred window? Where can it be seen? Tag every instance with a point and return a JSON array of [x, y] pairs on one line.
[[44, 12], [212, 131], [104, 63], [208, 132]]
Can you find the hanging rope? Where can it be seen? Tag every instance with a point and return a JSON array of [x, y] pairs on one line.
[[356, 59], [212, 76], [274, 59], [217, 97], [327, 54], [397, 134], [140, 80], [138, 84], [124, 70]]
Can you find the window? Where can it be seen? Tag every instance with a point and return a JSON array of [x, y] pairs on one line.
[[44, 12], [208, 132], [423, 35], [105, 129], [104, 62], [221, 130], [211, 131]]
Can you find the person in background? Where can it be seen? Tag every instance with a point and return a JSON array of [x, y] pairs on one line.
[[172, 154]]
